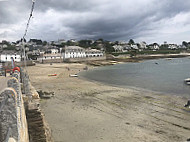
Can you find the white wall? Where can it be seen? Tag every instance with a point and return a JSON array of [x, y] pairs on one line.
[[96, 54], [54, 51], [74, 55], [7, 58]]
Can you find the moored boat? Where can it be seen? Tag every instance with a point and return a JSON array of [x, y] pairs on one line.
[[187, 81], [73, 75]]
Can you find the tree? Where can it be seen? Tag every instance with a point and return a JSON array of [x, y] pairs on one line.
[[131, 41], [117, 42], [85, 43], [133, 53], [109, 48], [44, 43], [184, 43]]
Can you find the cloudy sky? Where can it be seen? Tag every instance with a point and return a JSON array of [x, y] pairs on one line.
[[141, 20]]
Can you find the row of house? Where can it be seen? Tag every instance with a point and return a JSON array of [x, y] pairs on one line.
[[142, 45], [7, 56], [78, 52], [68, 52], [72, 52]]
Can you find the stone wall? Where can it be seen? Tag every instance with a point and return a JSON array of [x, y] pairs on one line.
[[51, 61], [13, 124], [37, 129], [85, 59]]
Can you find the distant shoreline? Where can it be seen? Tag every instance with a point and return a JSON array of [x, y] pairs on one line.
[[111, 60], [151, 56]]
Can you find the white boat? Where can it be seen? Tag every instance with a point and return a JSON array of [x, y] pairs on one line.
[[187, 81], [73, 75]]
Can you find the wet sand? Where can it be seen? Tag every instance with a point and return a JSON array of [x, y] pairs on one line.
[[84, 111]]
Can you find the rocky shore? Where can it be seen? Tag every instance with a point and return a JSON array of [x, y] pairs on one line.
[[85, 111]]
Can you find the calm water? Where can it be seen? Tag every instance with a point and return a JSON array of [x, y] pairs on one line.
[[160, 75]]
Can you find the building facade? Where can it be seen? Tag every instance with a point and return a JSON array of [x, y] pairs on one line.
[[74, 52], [93, 53], [7, 56]]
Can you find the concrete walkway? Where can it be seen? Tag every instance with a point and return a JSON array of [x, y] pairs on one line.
[[3, 82]]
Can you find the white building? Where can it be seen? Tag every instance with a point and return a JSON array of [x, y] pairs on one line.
[[7, 56], [134, 46], [118, 48], [94, 53], [50, 57], [154, 46], [74, 52], [54, 51], [143, 45], [173, 46], [182, 47]]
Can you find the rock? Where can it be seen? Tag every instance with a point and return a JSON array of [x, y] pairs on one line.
[[45, 95]]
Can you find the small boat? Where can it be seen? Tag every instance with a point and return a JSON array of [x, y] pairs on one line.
[[52, 74], [187, 81], [168, 58], [73, 75]]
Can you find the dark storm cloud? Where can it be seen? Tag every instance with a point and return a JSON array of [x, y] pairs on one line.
[[109, 19], [12, 11]]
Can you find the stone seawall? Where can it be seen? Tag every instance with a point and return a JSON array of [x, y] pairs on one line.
[[21, 119], [71, 60], [13, 124], [37, 128]]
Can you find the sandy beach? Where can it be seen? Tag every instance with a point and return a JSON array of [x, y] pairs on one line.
[[84, 111]]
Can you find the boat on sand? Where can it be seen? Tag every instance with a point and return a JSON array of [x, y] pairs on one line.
[[73, 75]]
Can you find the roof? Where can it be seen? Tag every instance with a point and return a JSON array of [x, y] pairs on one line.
[[93, 50], [52, 55], [9, 52], [73, 48]]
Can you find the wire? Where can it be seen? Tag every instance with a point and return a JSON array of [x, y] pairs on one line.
[[28, 23], [25, 33]]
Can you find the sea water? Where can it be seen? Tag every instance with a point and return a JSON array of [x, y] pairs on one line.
[[160, 75]]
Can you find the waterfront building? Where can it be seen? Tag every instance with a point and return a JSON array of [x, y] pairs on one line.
[[93, 53], [6, 56], [79, 52], [74, 52], [50, 57]]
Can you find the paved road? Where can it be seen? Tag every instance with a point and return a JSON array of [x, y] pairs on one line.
[[3, 82]]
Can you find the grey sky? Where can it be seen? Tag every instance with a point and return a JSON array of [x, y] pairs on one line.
[[142, 20]]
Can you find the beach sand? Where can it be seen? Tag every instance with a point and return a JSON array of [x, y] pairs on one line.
[[84, 111]]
